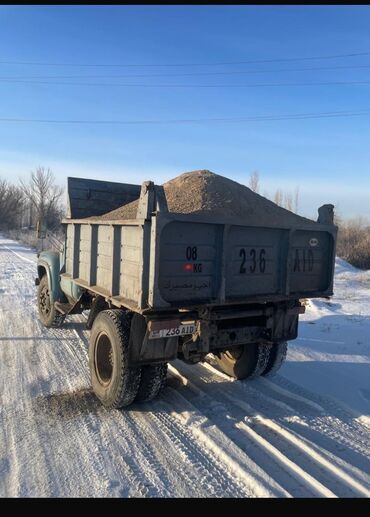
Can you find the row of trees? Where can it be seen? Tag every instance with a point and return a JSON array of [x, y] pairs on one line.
[[28, 202]]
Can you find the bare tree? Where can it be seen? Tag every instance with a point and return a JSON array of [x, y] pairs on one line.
[[288, 201], [254, 181], [44, 196], [11, 205], [296, 200], [278, 198]]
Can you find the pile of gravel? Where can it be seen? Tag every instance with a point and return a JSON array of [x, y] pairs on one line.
[[204, 192]]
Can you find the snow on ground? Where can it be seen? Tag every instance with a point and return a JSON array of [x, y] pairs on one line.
[[305, 433], [332, 353]]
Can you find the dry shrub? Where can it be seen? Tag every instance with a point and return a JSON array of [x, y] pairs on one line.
[[354, 242]]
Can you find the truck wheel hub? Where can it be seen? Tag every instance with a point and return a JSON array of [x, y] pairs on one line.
[[45, 301], [104, 359], [234, 353]]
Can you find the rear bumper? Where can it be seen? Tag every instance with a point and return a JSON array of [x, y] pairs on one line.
[[217, 330]]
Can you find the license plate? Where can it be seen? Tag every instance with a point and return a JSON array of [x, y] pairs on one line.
[[181, 330]]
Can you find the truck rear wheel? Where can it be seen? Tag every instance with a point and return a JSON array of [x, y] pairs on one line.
[[276, 359], [153, 380], [48, 314], [245, 361], [114, 382]]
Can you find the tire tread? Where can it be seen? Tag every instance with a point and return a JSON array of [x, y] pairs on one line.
[[129, 377], [153, 381], [56, 318], [277, 357]]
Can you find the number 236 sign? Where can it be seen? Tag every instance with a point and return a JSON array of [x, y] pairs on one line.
[[252, 260]]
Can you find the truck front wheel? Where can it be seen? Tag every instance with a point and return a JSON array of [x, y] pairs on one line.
[[245, 361], [113, 380], [48, 314]]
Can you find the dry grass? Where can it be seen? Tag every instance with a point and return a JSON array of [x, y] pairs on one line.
[[354, 242]]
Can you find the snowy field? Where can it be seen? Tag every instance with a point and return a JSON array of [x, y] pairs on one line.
[[305, 433]]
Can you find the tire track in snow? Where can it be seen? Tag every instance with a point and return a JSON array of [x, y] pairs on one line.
[[210, 463], [143, 489], [300, 444], [345, 426], [316, 429], [19, 256], [122, 444], [342, 426], [274, 462], [45, 462], [313, 457], [44, 430], [323, 415], [288, 395], [321, 430], [194, 468], [234, 462], [71, 342], [302, 475]]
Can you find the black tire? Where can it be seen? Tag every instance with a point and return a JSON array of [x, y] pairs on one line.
[[245, 361], [276, 359], [114, 382], [153, 380], [48, 314]]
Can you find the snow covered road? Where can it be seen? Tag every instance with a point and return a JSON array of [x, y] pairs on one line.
[[304, 433]]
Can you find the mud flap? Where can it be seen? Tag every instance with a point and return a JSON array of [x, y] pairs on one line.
[[146, 351], [285, 325]]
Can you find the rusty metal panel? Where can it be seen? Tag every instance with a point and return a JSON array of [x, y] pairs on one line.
[[84, 252], [76, 251], [93, 254], [69, 248], [104, 257], [253, 261], [193, 262], [188, 263], [130, 281], [310, 260], [88, 197], [185, 261]]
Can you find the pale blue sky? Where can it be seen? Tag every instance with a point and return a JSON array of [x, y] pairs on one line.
[[328, 158]]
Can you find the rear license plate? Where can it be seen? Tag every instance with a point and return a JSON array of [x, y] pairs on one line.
[[181, 330]]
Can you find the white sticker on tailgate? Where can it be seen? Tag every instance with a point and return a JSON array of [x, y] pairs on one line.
[[181, 330]]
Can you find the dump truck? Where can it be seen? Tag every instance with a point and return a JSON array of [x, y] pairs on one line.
[[163, 285]]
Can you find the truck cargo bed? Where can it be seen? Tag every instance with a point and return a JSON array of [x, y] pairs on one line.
[[172, 260]]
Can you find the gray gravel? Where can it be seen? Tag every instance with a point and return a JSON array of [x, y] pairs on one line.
[[202, 192]]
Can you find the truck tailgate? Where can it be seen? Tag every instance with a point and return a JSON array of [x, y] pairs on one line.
[[217, 263]]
